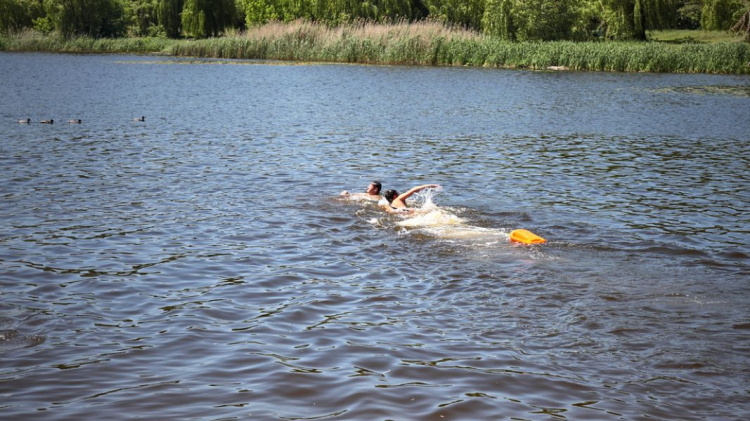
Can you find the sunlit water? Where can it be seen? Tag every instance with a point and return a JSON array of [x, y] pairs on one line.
[[200, 264]]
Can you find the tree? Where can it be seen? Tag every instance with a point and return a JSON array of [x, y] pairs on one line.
[[720, 15], [689, 14], [498, 19], [258, 12], [12, 16], [743, 25], [95, 18], [630, 19], [168, 15], [544, 20], [466, 13], [204, 18], [141, 16]]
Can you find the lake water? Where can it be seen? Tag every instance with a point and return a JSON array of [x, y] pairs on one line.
[[200, 264]]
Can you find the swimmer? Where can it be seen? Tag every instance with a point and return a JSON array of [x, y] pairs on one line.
[[372, 193], [396, 203]]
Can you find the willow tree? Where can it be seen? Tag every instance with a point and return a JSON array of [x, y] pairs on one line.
[[544, 20], [95, 18], [204, 18], [142, 16], [743, 24], [331, 11], [466, 13], [168, 14], [498, 19], [630, 19], [720, 15]]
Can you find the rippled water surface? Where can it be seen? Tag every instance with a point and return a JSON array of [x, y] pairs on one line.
[[201, 265]]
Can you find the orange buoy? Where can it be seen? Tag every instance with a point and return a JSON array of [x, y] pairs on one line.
[[526, 237]]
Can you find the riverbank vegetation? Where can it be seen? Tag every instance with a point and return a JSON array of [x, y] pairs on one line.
[[432, 43], [610, 35], [509, 20], [419, 43]]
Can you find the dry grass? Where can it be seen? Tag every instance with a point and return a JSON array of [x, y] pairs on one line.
[[426, 29]]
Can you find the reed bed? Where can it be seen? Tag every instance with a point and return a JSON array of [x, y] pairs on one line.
[[419, 43], [36, 41], [437, 44]]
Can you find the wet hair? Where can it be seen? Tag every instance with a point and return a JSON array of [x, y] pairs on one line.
[[390, 195], [377, 185]]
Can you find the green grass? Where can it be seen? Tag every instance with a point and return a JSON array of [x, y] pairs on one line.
[[693, 36], [421, 43]]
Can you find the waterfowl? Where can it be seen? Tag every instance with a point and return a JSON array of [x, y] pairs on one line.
[[75, 121], [47, 121], [27, 121], [143, 118]]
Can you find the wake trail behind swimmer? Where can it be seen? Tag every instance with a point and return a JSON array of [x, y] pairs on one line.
[[429, 218]]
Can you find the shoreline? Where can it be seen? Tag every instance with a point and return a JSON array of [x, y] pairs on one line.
[[411, 45]]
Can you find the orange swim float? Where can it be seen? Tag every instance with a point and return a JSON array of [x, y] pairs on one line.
[[526, 237]]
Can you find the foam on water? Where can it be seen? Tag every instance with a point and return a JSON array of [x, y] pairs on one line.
[[442, 222], [433, 218]]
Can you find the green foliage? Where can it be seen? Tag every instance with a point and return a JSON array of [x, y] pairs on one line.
[[141, 16], [204, 18], [720, 14], [742, 27], [630, 19], [168, 14], [260, 11], [689, 15], [18, 14], [498, 19], [530, 20], [12, 16], [44, 24], [466, 13], [95, 18], [544, 20]]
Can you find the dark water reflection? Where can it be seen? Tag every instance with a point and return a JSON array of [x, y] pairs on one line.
[[197, 265]]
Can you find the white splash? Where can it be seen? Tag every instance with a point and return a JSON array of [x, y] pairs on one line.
[[443, 223], [433, 218]]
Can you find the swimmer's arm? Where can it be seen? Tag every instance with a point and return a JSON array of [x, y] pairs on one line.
[[404, 196]]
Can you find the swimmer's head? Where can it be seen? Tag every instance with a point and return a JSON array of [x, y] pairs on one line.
[[374, 187], [390, 195]]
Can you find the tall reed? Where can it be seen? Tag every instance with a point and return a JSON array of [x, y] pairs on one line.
[[35, 41], [434, 43], [416, 43]]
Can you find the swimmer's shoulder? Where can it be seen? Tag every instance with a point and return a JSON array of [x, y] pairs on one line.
[[361, 196]]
